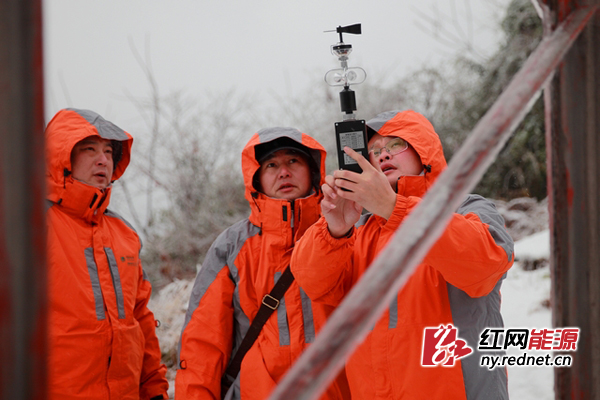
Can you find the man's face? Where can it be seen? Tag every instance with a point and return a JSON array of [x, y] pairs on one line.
[[394, 166], [285, 175], [92, 162]]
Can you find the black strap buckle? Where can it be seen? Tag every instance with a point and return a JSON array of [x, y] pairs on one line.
[[270, 301]]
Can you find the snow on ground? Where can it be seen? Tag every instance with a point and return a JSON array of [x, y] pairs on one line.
[[525, 298]]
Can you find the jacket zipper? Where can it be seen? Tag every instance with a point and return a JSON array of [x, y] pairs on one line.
[[292, 220], [284, 215]]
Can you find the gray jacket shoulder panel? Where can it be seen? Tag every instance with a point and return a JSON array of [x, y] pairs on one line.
[[48, 204], [471, 315], [222, 253], [363, 220], [488, 214]]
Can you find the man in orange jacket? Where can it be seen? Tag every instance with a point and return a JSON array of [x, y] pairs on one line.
[[457, 283], [102, 341], [283, 170]]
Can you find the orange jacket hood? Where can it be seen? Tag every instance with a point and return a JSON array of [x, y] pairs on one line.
[[250, 165], [419, 133], [64, 131]]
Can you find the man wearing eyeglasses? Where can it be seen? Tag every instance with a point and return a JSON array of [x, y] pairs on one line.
[[457, 283]]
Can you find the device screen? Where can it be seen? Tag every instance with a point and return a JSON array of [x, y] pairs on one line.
[[352, 134]]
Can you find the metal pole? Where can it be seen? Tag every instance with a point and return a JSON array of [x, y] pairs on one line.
[[352, 320], [572, 103], [22, 226]]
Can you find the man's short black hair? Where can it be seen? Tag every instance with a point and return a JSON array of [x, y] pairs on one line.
[[117, 147]]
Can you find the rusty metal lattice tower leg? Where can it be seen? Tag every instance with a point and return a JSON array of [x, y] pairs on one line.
[[573, 147], [22, 226]]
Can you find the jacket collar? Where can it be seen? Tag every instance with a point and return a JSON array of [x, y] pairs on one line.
[[413, 185], [408, 186], [289, 219], [81, 200]]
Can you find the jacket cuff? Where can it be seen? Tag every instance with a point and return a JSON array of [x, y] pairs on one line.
[[399, 213], [323, 232]]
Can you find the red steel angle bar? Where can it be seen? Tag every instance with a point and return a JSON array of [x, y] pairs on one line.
[[365, 303]]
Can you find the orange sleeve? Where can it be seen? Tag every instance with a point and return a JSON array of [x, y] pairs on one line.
[[322, 264], [327, 267], [207, 337], [153, 380], [475, 249]]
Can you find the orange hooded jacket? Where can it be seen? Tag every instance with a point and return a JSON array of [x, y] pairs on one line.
[[102, 341], [457, 283], [242, 266]]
